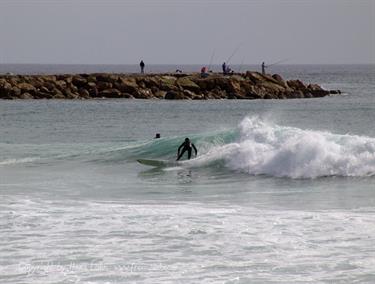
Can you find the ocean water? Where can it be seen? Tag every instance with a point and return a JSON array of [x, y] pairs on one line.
[[280, 192]]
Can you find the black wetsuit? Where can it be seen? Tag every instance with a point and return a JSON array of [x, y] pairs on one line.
[[187, 146]]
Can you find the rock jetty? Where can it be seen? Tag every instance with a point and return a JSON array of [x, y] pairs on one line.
[[249, 85]]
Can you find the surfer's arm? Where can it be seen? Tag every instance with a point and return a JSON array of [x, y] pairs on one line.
[[179, 149], [195, 149]]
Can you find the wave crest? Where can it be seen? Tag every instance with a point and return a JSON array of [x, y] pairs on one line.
[[270, 149]]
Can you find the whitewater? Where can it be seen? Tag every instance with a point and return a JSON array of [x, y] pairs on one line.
[[280, 192]]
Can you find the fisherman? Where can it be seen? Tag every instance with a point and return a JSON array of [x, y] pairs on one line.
[[142, 65], [228, 70], [204, 73], [264, 68], [186, 146], [224, 66]]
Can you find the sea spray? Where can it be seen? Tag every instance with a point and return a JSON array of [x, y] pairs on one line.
[[270, 149]]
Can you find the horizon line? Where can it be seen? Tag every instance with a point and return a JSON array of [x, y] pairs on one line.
[[175, 64]]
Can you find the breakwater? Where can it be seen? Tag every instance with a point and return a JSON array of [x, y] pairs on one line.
[[249, 85]]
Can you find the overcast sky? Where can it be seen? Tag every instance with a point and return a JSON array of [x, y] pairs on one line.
[[187, 31]]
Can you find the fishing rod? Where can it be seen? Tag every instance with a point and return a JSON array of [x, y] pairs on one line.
[[243, 60], [278, 62], [211, 60], [234, 52]]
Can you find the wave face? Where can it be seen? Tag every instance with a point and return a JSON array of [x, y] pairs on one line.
[[270, 149], [258, 147]]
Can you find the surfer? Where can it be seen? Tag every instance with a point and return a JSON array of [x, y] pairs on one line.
[[157, 136], [186, 146]]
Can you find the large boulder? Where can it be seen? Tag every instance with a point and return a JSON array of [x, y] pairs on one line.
[[226, 84], [93, 92], [44, 89], [26, 96], [335, 92], [69, 94], [268, 96], [314, 87], [271, 87], [218, 93], [110, 93], [207, 95], [186, 84], [296, 85], [254, 77], [83, 93], [68, 79], [109, 78], [15, 92], [5, 88], [91, 85], [37, 82], [60, 84], [160, 94], [43, 95], [148, 82], [57, 92], [234, 87], [48, 85], [296, 94], [127, 85], [171, 95], [27, 88], [79, 81], [279, 80], [143, 94], [319, 93], [59, 96], [101, 85], [252, 94], [207, 84], [167, 83], [189, 94]]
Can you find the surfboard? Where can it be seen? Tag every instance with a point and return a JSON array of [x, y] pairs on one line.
[[156, 163]]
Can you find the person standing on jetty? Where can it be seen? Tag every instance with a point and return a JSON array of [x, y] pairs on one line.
[[187, 146], [142, 65], [264, 68], [224, 67]]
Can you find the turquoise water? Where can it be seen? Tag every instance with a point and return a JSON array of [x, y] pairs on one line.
[[281, 191]]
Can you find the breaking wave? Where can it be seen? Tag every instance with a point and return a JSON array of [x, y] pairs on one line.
[[268, 149]]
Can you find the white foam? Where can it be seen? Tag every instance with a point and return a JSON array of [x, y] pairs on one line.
[[17, 161], [70, 241], [270, 149]]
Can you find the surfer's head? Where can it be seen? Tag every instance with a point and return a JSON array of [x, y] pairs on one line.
[[187, 140]]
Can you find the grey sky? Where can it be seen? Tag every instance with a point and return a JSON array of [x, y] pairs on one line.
[[187, 31]]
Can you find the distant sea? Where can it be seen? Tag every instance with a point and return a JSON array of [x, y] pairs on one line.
[[282, 191]]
